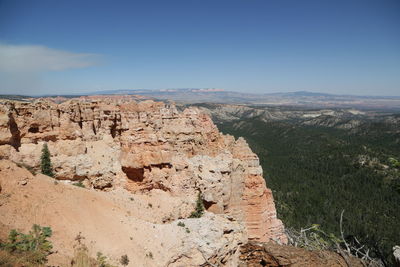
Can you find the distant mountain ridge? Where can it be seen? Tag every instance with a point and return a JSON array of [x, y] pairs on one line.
[[296, 98], [222, 91], [301, 93], [152, 91], [305, 99]]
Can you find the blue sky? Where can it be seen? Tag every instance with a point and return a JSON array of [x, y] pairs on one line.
[[261, 46]]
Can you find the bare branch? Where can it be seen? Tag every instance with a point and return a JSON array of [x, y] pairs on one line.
[[313, 238], [342, 233]]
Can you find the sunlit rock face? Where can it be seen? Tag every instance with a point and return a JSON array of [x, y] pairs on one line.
[[143, 146]]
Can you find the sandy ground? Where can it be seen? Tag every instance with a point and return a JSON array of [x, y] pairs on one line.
[[114, 223]]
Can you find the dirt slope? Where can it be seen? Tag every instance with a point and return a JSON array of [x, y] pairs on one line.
[[111, 222]]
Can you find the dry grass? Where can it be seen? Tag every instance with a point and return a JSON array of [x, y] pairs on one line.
[[82, 258], [17, 260]]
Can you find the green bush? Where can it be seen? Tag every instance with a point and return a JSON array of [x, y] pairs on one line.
[[199, 210], [79, 184], [394, 162], [33, 246]]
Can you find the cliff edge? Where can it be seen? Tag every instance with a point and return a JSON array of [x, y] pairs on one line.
[[147, 151]]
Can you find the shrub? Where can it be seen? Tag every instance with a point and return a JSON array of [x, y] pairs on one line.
[[79, 184], [82, 259], [102, 260], [82, 256], [199, 210], [124, 260], [181, 224], [47, 168], [34, 246], [394, 162]]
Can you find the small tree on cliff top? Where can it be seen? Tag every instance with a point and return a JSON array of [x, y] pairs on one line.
[[45, 164]]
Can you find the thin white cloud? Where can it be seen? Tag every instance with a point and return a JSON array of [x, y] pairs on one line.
[[36, 58]]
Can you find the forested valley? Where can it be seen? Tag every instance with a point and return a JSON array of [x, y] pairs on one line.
[[317, 172]]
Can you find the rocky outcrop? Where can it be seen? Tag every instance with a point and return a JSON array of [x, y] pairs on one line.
[[274, 255], [396, 255], [142, 147]]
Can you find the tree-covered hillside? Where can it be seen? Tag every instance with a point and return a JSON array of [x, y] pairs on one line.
[[316, 172]]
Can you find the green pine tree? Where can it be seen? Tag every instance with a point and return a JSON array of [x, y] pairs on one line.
[[45, 164], [199, 210]]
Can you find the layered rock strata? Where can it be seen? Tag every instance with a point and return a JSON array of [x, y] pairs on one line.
[[142, 147]]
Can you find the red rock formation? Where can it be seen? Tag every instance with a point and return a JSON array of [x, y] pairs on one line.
[[273, 255], [257, 200], [142, 146]]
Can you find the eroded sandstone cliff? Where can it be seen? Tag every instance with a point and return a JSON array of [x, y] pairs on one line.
[[145, 147]]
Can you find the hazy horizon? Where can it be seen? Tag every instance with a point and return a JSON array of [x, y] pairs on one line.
[[120, 92], [72, 47]]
